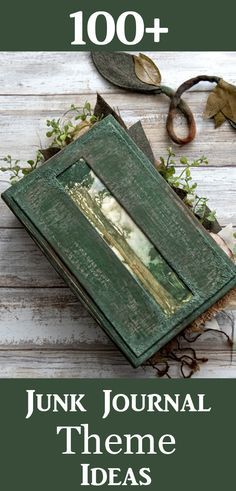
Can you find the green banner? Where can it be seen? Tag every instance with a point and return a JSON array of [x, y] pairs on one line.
[[124, 25], [162, 434]]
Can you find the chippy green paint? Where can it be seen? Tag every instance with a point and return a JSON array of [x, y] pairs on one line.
[[139, 306]]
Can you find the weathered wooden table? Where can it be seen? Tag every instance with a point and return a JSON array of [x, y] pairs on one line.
[[44, 331]]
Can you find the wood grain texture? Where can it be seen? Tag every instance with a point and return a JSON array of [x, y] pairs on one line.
[[102, 364], [35, 86], [53, 318], [73, 73], [25, 117]]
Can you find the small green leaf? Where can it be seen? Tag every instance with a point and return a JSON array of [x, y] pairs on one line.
[[170, 172], [87, 106], [188, 173], [211, 216], [170, 152], [14, 179], [26, 171]]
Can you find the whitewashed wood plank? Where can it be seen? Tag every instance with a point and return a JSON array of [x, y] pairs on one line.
[[54, 318], [46, 317], [73, 72], [79, 364], [217, 184], [23, 124]]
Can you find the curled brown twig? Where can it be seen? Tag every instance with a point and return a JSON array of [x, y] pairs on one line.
[[175, 103]]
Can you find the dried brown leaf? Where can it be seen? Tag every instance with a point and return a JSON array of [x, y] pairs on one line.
[[49, 152], [233, 124], [146, 70], [219, 119], [103, 109], [221, 103], [137, 133]]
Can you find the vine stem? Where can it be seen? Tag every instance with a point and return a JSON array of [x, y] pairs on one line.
[[177, 102]]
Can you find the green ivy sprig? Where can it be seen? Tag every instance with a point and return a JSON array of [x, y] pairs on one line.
[[184, 182], [18, 171], [64, 131]]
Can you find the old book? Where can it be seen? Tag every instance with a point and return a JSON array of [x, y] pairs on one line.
[[122, 240]]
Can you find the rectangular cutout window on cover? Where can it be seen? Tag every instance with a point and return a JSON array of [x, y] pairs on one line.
[[124, 237]]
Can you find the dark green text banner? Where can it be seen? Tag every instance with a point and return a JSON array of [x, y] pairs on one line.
[[193, 443], [126, 25]]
